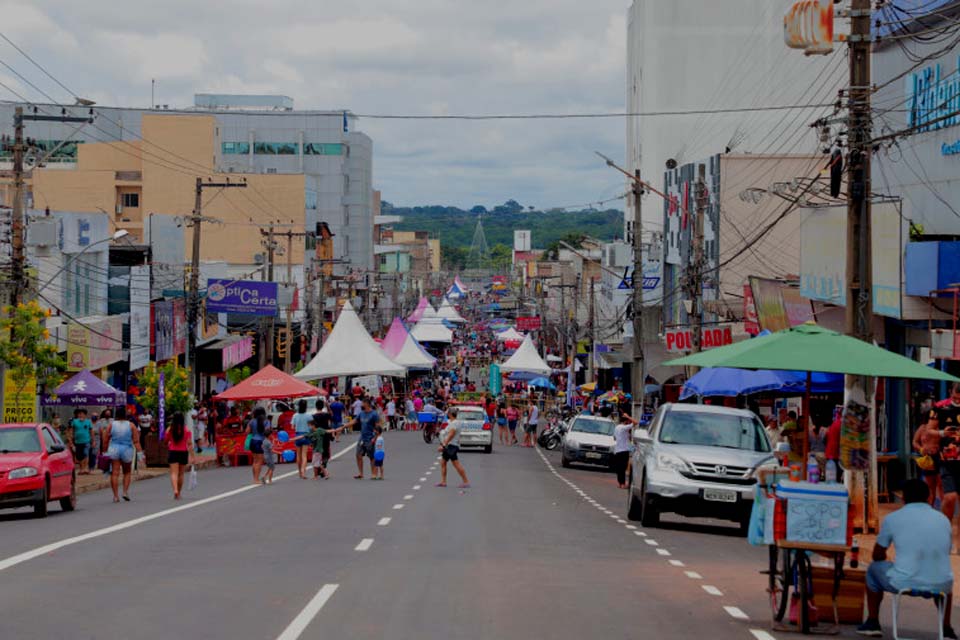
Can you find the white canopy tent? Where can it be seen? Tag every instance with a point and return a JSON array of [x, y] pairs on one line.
[[431, 331], [448, 312], [411, 355], [349, 351], [526, 360], [429, 315], [509, 334]]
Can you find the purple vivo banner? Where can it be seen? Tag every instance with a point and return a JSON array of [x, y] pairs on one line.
[[161, 406]]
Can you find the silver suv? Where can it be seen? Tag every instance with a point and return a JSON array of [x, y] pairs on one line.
[[697, 461]]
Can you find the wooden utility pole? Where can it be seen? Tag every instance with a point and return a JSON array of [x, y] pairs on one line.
[[591, 370], [193, 298], [638, 373], [696, 275], [16, 223]]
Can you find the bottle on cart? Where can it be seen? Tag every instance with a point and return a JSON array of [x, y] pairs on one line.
[[855, 553], [813, 469], [830, 473]]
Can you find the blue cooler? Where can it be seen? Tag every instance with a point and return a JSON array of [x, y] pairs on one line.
[[426, 417], [816, 511]]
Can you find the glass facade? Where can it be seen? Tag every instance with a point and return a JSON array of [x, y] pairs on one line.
[[67, 152], [283, 148]]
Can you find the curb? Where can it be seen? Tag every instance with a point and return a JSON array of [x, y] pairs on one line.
[[151, 473]]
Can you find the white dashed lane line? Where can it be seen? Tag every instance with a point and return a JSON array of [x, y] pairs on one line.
[[676, 563], [416, 487], [383, 522], [309, 612], [652, 542], [712, 590], [423, 479], [737, 613], [409, 496], [760, 634], [398, 506], [663, 552], [693, 575], [365, 544]]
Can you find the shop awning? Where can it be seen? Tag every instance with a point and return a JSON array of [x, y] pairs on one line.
[[219, 356]]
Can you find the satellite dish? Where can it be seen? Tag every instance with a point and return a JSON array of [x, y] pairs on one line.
[[671, 164]]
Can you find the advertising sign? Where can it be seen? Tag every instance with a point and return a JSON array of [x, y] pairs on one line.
[[162, 404], [95, 343], [495, 382], [139, 317], [528, 323], [823, 251], [179, 326], [680, 340], [241, 296], [19, 405], [162, 330], [751, 323], [235, 353], [769, 304]]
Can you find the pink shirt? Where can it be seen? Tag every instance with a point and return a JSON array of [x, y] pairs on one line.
[[418, 404], [182, 445]]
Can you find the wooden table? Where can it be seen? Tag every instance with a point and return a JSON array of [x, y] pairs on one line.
[[804, 580]]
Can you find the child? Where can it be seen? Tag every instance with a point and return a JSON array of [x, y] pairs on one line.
[[269, 456], [378, 455]]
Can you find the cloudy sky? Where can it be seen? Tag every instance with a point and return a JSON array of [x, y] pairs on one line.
[[373, 57]]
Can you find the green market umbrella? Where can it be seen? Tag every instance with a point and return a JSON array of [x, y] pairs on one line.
[[808, 347]]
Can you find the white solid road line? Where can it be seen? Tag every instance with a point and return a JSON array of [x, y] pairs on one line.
[[760, 634], [13, 561], [382, 522], [712, 590], [299, 624], [693, 575], [737, 613], [365, 544]]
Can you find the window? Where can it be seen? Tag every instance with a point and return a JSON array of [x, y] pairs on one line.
[[310, 199], [131, 200], [48, 439], [78, 280], [346, 216], [322, 149], [240, 148], [714, 430]]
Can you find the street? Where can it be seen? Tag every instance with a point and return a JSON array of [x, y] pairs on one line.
[[522, 554]]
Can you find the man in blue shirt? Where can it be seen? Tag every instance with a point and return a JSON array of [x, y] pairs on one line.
[[82, 427], [336, 413], [921, 536], [367, 419]]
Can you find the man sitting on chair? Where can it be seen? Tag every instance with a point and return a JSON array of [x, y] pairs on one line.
[[921, 536]]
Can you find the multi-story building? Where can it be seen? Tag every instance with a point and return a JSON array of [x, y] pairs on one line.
[[299, 167]]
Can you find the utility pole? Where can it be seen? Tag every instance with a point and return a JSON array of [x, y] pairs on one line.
[[638, 374], [696, 275], [563, 320], [591, 370], [266, 325], [289, 328], [193, 300], [308, 277]]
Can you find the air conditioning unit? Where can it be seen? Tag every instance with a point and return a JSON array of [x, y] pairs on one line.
[[271, 170]]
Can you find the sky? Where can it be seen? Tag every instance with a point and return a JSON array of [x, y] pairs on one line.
[[372, 57]]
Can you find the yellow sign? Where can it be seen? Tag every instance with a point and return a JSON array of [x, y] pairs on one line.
[[19, 405]]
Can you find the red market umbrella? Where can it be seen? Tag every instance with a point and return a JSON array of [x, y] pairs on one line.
[[269, 384]]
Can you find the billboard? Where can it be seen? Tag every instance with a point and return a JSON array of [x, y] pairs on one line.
[[769, 304], [823, 254], [251, 297], [95, 343], [521, 240], [139, 317], [528, 323]]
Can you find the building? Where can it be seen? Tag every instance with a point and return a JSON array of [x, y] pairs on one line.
[[300, 168]]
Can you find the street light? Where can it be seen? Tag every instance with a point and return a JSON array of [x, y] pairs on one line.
[[120, 233]]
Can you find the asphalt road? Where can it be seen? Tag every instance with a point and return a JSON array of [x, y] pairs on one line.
[[529, 552]]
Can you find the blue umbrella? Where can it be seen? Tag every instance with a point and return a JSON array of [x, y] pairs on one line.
[[542, 383], [722, 381]]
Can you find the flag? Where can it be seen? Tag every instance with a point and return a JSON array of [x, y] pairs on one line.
[[161, 405]]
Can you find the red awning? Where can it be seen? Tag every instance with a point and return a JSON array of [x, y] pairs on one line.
[[269, 384]]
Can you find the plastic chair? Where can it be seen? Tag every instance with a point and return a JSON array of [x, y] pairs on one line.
[[939, 598]]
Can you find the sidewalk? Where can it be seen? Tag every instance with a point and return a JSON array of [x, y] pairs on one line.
[[97, 480]]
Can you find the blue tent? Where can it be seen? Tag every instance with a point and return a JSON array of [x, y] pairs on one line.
[[722, 381], [543, 383]]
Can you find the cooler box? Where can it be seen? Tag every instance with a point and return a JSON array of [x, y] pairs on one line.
[[426, 417], [816, 511]]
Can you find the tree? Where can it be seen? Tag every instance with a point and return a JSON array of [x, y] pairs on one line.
[[26, 354], [453, 258], [501, 257], [575, 240], [176, 382], [478, 209]]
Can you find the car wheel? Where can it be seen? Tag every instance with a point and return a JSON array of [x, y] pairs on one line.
[[488, 448], [649, 516], [69, 503], [40, 506], [564, 461], [744, 525], [633, 504]]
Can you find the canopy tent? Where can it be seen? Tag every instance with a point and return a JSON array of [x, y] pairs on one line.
[[457, 290], [349, 351], [542, 383], [724, 381], [404, 350], [430, 315], [526, 359], [509, 334], [84, 389], [418, 312], [448, 312], [431, 331], [269, 384]]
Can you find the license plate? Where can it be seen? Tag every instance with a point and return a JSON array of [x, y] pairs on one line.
[[719, 495], [592, 456]]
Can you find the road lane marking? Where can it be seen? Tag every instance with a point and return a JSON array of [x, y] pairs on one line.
[[299, 624], [382, 522], [652, 542], [760, 634], [693, 575], [621, 521], [423, 479], [640, 533], [712, 590], [409, 496], [365, 544], [631, 527], [13, 561], [663, 552], [737, 613], [416, 487], [676, 563], [398, 506]]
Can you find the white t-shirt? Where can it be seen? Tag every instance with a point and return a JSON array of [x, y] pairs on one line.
[[534, 417], [357, 407], [391, 409], [621, 436]]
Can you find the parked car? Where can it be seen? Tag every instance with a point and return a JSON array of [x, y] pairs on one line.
[[589, 440], [35, 468], [697, 461], [475, 428]]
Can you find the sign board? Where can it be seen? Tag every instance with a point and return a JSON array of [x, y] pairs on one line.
[[95, 343], [823, 251], [769, 304], [680, 340], [751, 323], [242, 296], [161, 330], [139, 317], [528, 323], [808, 25], [521, 240], [235, 353], [19, 405], [495, 382]]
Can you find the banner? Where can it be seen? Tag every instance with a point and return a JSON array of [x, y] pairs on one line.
[[139, 317], [251, 297], [161, 330], [495, 380], [19, 405], [751, 324], [681, 340], [161, 405], [528, 323], [95, 343], [769, 304]]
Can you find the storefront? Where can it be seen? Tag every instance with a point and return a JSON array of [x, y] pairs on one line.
[[216, 358]]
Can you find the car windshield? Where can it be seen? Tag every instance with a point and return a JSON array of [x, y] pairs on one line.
[[19, 440], [473, 413], [592, 425], [714, 430]]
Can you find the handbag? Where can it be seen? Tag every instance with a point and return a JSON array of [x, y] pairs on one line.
[[192, 481], [925, 462], [104, 463]]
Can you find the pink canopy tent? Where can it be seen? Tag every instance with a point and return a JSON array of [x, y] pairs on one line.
[[418, 312], [392, 343]]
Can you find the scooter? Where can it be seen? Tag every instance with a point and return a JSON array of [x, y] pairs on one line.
[[552, 436]]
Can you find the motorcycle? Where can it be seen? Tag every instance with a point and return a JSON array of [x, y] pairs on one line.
[[552, 436]]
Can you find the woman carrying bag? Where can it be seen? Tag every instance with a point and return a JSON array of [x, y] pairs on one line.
[[178, 447]]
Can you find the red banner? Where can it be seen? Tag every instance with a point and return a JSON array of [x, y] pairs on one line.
[[751, 323], [528, 323]]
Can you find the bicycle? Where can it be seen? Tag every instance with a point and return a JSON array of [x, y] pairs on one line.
[[791, 568]]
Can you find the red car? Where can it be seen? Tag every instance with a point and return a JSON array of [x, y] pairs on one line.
[[35, 468]]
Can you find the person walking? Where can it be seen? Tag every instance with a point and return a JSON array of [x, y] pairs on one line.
[[102, 426], [367, 421], [269, 456], [302, 425], [411, 415], [513, 417], [533, 421], [178, 447], [392, 414], [502, 423], [337, 410], [257, 429], [379, 454], [622, 447], [321, 436], [123, 442], [449, 449], [81, 426]]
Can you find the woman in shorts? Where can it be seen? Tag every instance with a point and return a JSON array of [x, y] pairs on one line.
[[123, 442], [178, 447], [449, 450], [257, 429], [513, 417]]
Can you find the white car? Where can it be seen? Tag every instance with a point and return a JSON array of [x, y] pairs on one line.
[[588, 440], [475, 429]]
